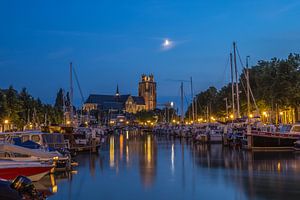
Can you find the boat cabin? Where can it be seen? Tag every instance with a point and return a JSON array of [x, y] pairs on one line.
[[51, 140]]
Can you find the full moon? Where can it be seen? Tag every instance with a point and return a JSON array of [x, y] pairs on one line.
[[167, 43]]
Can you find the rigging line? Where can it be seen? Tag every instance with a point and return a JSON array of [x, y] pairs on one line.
[[253, 99], [242, 64], [225, 69], [77, 81], [187, 102]]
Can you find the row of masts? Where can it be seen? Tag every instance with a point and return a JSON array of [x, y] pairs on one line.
[[235, 111], [235, 92]]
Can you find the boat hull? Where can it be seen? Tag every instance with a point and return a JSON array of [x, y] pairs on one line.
[[265, 140], [34, 173]]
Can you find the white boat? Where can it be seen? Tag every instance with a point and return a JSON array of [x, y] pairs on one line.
[[17, 153]]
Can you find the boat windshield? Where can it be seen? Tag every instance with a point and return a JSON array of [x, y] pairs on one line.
[[296, 129], [285, 128], [53, 138]]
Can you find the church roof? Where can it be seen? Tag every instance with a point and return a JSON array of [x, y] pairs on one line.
[[139, 100], [101, 99]]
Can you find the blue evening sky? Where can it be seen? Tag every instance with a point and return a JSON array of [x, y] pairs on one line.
[[115, 41]]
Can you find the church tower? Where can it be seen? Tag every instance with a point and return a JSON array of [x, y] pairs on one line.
[[147, 89], [117, 91]]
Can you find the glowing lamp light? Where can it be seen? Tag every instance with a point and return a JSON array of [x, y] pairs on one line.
[[251, 116], [68, 122], [174, 121], [6, 121], [265, 114], [172, 104], [231, 116], [281, 113]]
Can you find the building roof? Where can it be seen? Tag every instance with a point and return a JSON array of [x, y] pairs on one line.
[[105, 99], [107, 102], [139, 100]]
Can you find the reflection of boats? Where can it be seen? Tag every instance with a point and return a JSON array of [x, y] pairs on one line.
[[269, 140], [35, 171], [254, 174]]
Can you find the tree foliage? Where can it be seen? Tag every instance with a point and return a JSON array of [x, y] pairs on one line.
[[274, 83], [21, 109]]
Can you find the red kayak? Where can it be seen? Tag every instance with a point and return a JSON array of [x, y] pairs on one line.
[[33, 170]]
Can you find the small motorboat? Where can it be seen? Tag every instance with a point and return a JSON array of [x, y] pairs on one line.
[[9, 170]]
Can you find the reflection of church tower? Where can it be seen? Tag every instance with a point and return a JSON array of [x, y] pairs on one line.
[[147, 89], [148, 160]]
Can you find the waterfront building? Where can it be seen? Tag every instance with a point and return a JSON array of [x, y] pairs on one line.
[[109, 107], [147, 89]]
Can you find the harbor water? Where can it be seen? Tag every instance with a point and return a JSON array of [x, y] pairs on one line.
[[133, 166]]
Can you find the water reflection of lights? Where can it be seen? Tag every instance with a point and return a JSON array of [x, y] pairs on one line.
[[127, 135], [279, 166], [53, 183], [74, 172], [127, 154], [121, 146], [111, 152], [149, 150], [172, 159]]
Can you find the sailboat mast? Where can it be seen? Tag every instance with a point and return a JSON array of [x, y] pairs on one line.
[[193, 106], [232, 86], [237, 83], [181, 98], [71, 93], [248, 85]]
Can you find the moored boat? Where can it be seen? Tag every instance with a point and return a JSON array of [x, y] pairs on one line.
[[9, 170], [284, 139]]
